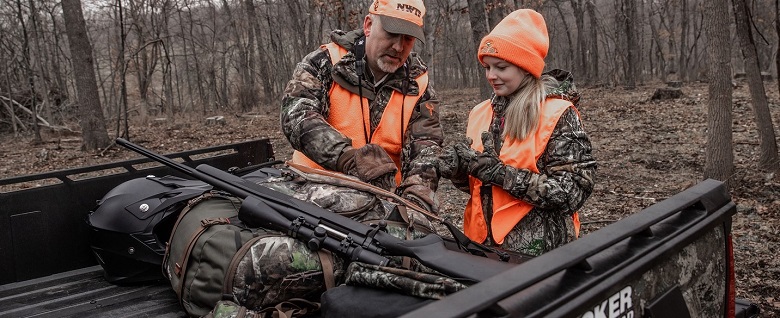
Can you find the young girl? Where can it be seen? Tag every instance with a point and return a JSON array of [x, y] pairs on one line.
[[529, 167]]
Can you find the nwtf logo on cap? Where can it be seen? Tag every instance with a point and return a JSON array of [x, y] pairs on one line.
[[398, 8], [408, 8]]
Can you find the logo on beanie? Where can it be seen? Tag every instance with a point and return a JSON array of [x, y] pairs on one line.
[[408, 8], [488, 48], [376, 5]]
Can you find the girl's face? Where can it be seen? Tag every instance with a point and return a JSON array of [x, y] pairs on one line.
[[504, 77]]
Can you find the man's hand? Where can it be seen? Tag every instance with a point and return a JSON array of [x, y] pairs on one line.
[[412, 189], [486, 166], [370, 164]]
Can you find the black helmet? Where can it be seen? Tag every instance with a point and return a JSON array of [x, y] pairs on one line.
[[132, 223]]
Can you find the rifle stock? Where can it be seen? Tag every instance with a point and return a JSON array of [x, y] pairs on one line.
[[321, 228]]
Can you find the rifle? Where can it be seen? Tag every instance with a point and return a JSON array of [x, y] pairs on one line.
[[321, 228]]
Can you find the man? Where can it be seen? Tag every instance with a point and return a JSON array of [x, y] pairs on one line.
[[362, 105]]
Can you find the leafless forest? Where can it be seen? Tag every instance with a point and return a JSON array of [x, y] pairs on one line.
[[170, 57], [74, 74]]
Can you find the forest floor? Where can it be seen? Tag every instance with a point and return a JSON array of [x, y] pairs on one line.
[[646, 150]]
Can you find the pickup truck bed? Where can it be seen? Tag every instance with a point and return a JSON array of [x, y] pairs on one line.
[[47, 270], [85, 293], [46, 266]]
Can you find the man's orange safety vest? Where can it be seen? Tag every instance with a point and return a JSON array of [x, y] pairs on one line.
[[522, 154], [345, 116]]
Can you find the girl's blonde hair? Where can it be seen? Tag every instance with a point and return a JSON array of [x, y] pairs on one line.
[[522, 113]]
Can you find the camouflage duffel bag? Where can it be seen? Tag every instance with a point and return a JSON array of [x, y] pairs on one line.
[[213, 256]]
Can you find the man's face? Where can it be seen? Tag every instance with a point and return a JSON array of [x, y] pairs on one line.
[[385, 52]]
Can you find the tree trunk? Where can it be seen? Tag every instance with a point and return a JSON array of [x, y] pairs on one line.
[[44, 76], [93, 125], [122, 113], [629, 18], [62, 88], [245, 89], [777, 31], [29, 72], [574, 52], [593, 56], [167, 67], [262, 69], [682, 66], [479, 28], [719, 156], [768, 160], [496, 11], [187, 72], [579, 20], [659, 52]]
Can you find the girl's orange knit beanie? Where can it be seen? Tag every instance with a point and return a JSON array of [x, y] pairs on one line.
[[521, 39]]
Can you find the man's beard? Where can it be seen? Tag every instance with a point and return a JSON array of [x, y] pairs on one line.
[[388, 66]]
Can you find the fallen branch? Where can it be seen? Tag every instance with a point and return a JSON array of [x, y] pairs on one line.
[[45, 123], [14, 118], [113, 143]]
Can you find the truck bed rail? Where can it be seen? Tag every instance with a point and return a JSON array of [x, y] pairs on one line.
[[572, 279]]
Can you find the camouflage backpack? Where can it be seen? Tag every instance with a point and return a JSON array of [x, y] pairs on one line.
[[213, 256]]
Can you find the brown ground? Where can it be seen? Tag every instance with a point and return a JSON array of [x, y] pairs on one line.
[[647, 151]]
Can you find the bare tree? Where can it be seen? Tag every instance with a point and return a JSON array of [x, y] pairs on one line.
[[479, 28], [777, 31], [768, 160], [592, 56], [93, 125], [496, 11], [682, 66], [579, 19], [256, 40], [719, 163], [628, 18], [27, 64]]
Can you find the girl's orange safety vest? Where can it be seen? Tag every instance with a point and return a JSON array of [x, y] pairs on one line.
[[345, 116], [522, 154]]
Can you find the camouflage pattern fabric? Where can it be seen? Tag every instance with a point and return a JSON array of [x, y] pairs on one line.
[[403, 281], [229, 309], [275, 267], [305, 108], [566, 89], [566, 182], [288, 309]]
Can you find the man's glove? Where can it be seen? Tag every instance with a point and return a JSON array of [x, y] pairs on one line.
[[370, 164], [486, 166], [412, 189]]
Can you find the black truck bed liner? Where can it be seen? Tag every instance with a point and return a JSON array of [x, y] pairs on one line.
[[85, 293]]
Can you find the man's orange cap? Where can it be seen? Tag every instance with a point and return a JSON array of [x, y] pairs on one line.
[[401, 16]]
